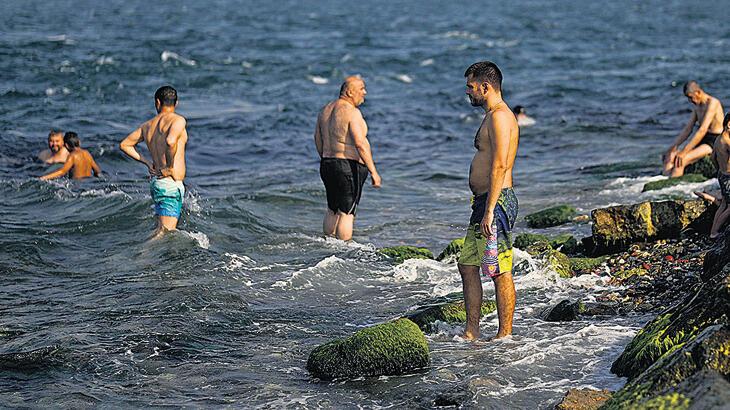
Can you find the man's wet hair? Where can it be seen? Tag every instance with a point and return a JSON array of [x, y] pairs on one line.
[[166, 95], [53, 132], [71, 139], [726, 120], [485, 71], [691, 86], [518, 109]]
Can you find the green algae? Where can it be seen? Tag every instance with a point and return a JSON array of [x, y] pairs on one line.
[[665, 183], [404, 252], [392, 348], [585, 265], [452, 250], [553, 216], [450, 312]]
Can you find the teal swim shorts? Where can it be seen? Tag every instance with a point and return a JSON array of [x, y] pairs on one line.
[[167, 194]]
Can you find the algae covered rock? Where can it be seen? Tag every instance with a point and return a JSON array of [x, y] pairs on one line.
[[582, 266], [668, 382], [452, 250], [558, 262], [448, 312], [704, 167], [583, 399], [554, 216], [392, 348], [615, 227], [404, 252], [665, 183], [565, 243]]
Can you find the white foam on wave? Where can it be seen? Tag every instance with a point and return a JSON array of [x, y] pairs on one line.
[[61, 38], [443, 277], [627, 187], [200, 238], [461, 34], [171, 55], [318, 80], [330, 263], [104, 60], [51, 91], [427, 62], [404, 78]]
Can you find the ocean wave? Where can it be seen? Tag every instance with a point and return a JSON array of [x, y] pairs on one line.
[[167, 55]]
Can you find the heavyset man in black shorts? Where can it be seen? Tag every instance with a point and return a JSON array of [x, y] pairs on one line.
[[346, 159]]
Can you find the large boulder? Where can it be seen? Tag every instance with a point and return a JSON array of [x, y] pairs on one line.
[[666, 183], [392, 348], [453, 250], [616, 227], [705, 167], [583, 399], [553, 216], [564, 311], [404, 252], [448, 312]]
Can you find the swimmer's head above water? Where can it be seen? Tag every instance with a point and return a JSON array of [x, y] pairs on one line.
[[71, 141], [482, 78], [55, 140], [165, 96], [353, 90]]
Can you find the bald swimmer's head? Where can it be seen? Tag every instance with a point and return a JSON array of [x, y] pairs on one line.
[[693, 92], [353, 90]]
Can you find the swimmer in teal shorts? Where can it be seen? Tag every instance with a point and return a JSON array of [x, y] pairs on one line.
[[166, 137]]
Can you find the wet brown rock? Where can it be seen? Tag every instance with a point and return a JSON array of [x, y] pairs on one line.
[[583, 399]]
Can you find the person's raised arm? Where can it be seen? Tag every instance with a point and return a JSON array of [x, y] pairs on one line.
[[128, 145], [712, 105], [358, 129], [61, 171], [499, 145], [318, 136], [177, 129]]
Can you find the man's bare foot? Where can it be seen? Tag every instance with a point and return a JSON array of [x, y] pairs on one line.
[[707, 197], [501, 335], [469, 336]]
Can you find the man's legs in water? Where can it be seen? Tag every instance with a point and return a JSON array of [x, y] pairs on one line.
[[165, 224], [338, 224], [504, 289], [472, 285], [330, 222]]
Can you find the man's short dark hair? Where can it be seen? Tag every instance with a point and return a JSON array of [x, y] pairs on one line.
[[166, 95], [485, 71], [691, 86], [53, 132], [726, 120], [518, 109], [71, 139]]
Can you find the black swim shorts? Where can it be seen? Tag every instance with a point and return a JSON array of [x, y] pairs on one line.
[[343, 179], [709, 139]]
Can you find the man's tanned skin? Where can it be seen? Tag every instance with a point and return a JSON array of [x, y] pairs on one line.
[[341, 132], [490, 171], [80, 162], [166, 137], [56, 152], [708, 113]]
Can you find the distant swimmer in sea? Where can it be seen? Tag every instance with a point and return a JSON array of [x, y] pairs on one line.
[[721, 158], [488, 242], [165, 136], [56, 152], [79, 162], [523, 120], [345, 157], [708, 113]]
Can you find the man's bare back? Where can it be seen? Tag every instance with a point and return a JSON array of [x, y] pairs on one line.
[[335, 128], [156, 133], [480, 169], [79, 163]]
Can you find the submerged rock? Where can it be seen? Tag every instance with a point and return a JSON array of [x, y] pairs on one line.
[[448, 312], [403, 252], [565, 243], [615, 227], [665, 183], [583, 399], [564, 311], [392, 348], [553, 216], [452, 250], [704, 167]]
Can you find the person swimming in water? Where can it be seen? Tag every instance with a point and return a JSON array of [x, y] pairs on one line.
[[80, 162], [708, 113], [523, 120], [56, 152]]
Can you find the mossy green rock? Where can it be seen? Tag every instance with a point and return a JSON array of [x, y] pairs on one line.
[[452, 250], [403, 252], [558, 262], [616, 227], [665, 382], [582, 266], [524, 240], [704, 167], [554, 216], [449, 312], [665, 183], [388, 349]]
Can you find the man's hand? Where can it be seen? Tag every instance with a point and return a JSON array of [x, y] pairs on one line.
[[376, 180], [486, 224], [679, 159], [166, 172], [670, 151]]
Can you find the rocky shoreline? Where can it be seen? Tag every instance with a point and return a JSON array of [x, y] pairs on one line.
[[660, 260]]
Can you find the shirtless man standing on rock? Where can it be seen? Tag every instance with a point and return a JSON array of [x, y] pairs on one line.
[[165, 136], [708, 113], [346, 159], [488, 242]]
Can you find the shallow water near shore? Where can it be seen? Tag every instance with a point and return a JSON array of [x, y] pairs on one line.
[[226, 311]]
